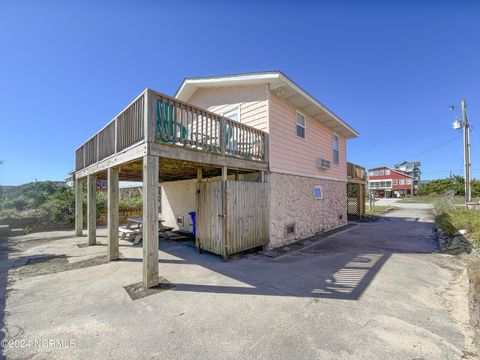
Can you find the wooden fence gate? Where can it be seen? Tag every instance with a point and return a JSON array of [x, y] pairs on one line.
[[355, 199], [231, 216]]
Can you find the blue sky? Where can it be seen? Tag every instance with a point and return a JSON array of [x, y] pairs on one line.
[[388, 68]]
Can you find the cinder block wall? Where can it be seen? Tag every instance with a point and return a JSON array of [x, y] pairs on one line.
[[292, 201]]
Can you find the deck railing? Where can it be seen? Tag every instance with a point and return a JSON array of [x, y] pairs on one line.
[[175, 123], [355, 171], [126, 129], [182, 124]]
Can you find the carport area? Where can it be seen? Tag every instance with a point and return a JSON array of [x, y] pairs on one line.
[[376, 290]]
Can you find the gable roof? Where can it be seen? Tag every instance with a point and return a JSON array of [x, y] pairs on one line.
[[278, 82]]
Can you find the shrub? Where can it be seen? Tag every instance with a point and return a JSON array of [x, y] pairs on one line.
[[29, 196], [455, 184], [60, 206], [43, 205]]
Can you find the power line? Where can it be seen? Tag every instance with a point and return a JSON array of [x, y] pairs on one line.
[[433, 147]]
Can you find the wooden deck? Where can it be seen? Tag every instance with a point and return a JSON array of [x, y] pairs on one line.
[[158, 138], [159, 125]]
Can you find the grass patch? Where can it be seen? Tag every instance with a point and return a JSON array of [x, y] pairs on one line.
[[451, 218], [432, 199], [378, 210]]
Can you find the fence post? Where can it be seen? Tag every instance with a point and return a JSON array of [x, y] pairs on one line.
[[225, 209]]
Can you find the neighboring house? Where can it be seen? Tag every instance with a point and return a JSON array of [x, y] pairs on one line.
[[413, 169], [385, 182], [258, 159]]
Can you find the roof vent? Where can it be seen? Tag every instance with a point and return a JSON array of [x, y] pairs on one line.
[[281, 92]]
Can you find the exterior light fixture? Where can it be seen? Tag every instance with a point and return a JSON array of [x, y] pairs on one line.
[[457, 124]]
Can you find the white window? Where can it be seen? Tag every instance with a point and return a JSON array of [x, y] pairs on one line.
[[301, 125], [233, 114], [401, 182], [387, 172], [318, 192], [371, 173], [336, 150], [395, 181], [409, 181]]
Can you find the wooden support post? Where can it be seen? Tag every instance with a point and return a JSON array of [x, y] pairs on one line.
[[78, 207], [197, 206], [92, 209], [225, 207], [113, 221], [150, 220], [262, 176]]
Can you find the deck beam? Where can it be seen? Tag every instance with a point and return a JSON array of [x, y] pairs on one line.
[[182, 153], [132, 153], [112, 216], [92, 209], [150, 220]]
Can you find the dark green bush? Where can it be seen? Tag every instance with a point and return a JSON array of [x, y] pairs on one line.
[[44, 204], [454, 183]]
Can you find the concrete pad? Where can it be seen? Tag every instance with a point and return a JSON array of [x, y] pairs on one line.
[[377, 291]]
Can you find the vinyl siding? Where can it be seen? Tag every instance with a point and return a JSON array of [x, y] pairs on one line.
[[251, 99], [293, 155]]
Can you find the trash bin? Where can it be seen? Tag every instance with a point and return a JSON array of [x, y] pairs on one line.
[[193, 216]]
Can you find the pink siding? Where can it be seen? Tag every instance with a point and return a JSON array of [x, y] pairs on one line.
[[294, 155], [251, 99]]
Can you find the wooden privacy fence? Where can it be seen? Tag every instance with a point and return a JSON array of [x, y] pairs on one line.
[[355, 199], [237, 225]]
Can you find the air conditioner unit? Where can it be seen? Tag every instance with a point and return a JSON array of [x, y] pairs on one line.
[[323, 164]]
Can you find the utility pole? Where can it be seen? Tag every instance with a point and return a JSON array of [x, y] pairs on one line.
[[465, 126], [466, 153]]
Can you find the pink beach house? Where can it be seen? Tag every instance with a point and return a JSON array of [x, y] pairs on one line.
[[259, 160]]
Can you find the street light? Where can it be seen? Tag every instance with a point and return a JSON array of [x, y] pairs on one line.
[[457, 124]]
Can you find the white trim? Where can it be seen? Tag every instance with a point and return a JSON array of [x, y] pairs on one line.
[[287, 172], [304, 126]]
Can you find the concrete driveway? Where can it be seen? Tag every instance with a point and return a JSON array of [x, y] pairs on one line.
[[375, 291]]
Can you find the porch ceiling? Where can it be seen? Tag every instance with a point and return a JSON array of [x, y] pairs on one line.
[[170, 170]]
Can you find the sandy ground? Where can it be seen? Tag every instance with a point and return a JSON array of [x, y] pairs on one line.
[[375, 291]]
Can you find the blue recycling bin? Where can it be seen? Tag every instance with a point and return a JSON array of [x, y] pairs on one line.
[[193, 216]]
